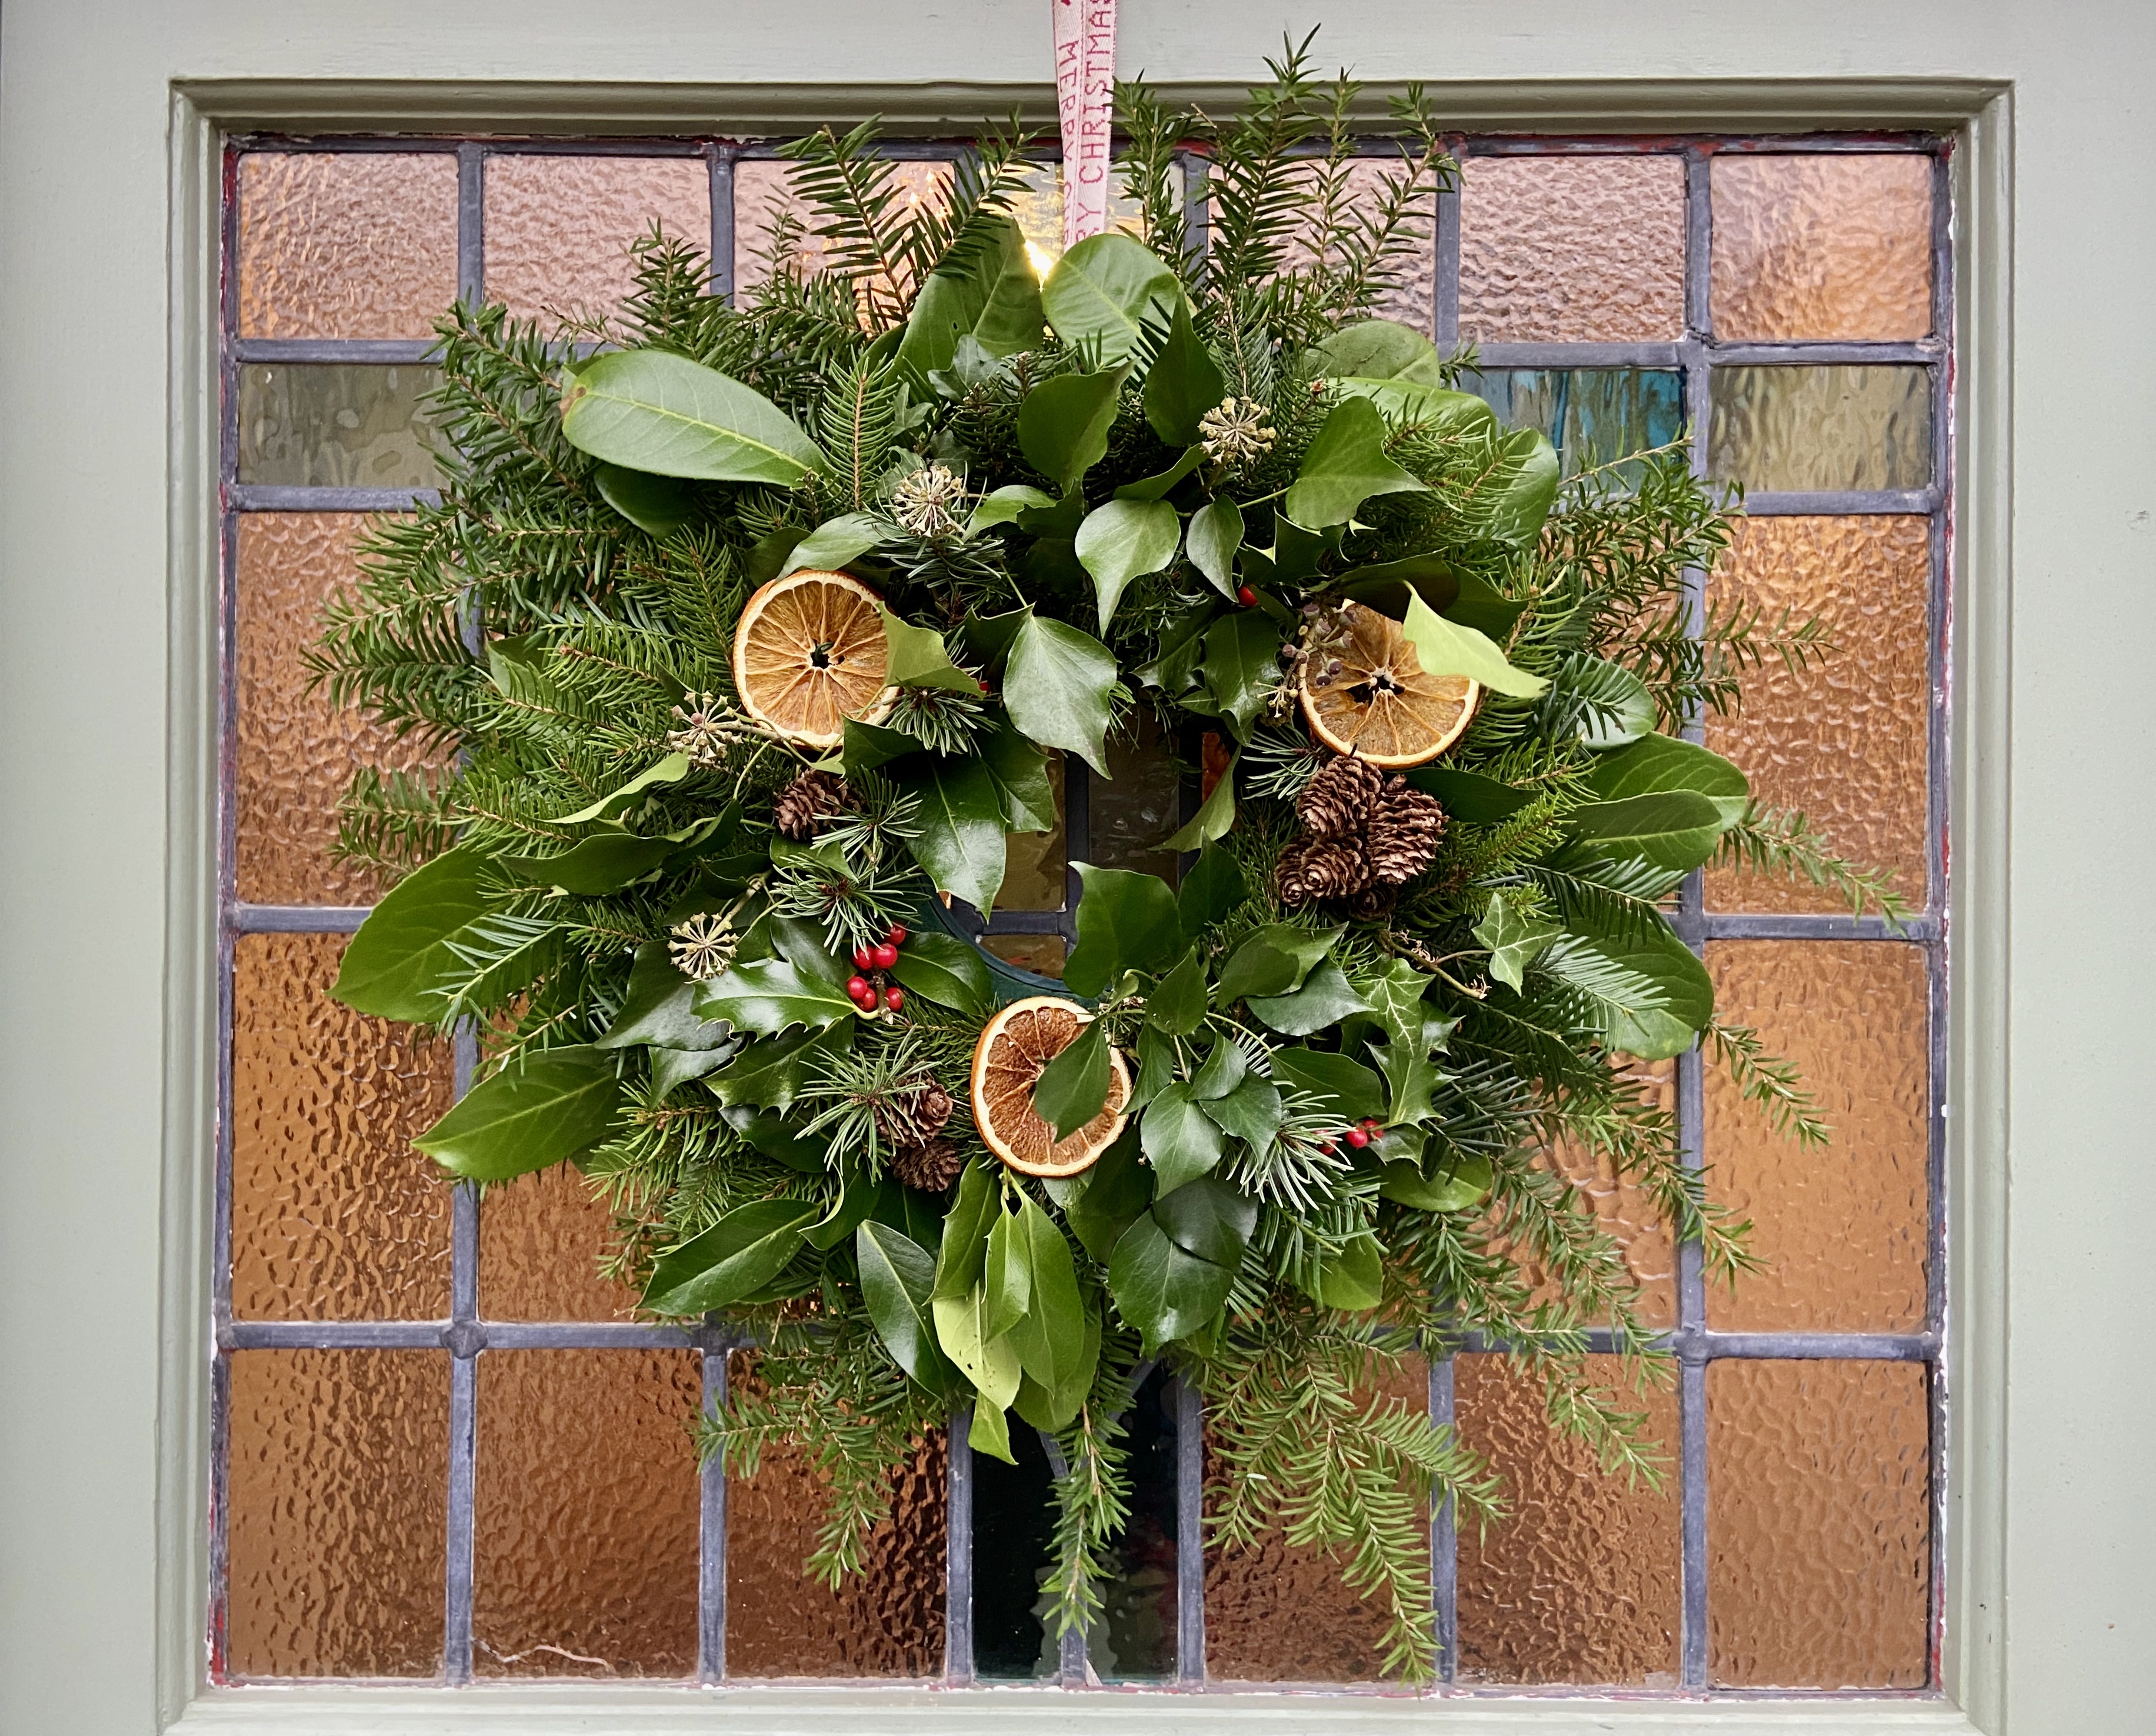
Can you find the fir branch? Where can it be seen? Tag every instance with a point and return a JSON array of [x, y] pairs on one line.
[[1782, 842]]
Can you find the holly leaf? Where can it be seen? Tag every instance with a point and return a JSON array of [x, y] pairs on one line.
[[392, 965], [898, 1276], [1241, 666], [1179, 1139], [653, 411], [770, 1075], [944, 969], [1404, 1059], [961, 841], [918, 658], [1060, 687], [658, 1009], [772, 995], [1212, 889], [1345, 466], [731, 1261], [1073, 1087], [541, 1110], [1446, 647], [1215, 538], [1515, 940], [1127, 921], [1215, 817], [1119, 540]]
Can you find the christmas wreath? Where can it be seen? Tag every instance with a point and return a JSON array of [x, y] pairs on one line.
[[752, 628]]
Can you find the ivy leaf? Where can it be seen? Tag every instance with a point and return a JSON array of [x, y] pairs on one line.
[[960, 843], [538, 1110], [392, 966], [1346, 1087], [1663, 763], [1063, 425], [1345, 466], [651, 410], [1212, 890], [1117, 1190], [658, 505], [1122, 539], [1515, 940], [1020, 770], [1073, 1087], [837, 541], [1184, 383], [1325, 999], [944, 969], [1060, 687], [772, 995], [1000, 506], [1275, 960], [1674, 828], [1209, 1219], [1215, 817], [1106, 292], [1161, 1287], [1215, 538], [658, 1007], [770, 1075], [1127, 921], [731, 1261], [918, 658], [1252, 1113], [1445, 648], [1158, 487], [898, 1276], [1179, 1139], [1157, 1067], [1241, 666], [1223, 1072], [1404, 1059], [1178, 1005]]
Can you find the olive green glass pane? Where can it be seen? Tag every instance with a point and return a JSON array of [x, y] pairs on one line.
[[1822, 246], [1572, 249], [346, 244], [1819, 1524], [587, 1508], [335, 425], [334, 1216], [337, 1490], [1579, 1582], [1034, 863], [1800, 430], [1842, 1228], [558, 228], [542, 1239], [1134, 808], [1043, 954]]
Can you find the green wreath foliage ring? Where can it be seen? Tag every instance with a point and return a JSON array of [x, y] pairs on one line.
[[1375, 1005]]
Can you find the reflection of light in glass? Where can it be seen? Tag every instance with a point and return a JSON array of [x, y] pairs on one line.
[[1041, 258]]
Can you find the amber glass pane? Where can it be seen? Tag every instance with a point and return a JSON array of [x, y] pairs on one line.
[[585, 1514], [1803, 429], [334, 1216], [885, 1620], [540, 1240], [335, 425], [1822, 246], [1135, 807], [558, 229], [295, 751], [1579, 1582], [1592, 415], [1034, 863], [346, 244], [1570, 250], [1624, 1210], [1819, 1524], [1843, 1229], [1278, 1612], [1843, 742], [1043, 954], [337, 1490], [763, 194]]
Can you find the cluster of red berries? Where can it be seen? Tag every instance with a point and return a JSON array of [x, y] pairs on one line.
[[1358, 1136], [869, 996]]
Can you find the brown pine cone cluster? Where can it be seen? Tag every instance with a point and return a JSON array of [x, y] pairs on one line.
[[911, 1122], [807, 802], [929, 1168], [1368, 836]]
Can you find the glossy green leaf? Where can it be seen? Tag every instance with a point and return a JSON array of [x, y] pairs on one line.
[[869, 746], [651, 410], [985, 288], [774, 1135], [1178, 1005], [393, 967], [1157, 1065], [1274, 960], [1007, 1276], [541, 1110], [658, 1009], [1213, 540], [832, 544], [1410, 1076], [1059, 688], [860, 1192], [1184, 383], [1511, 498], [1223, 1070], [960, 844], [1657, 763], [1180, 1140], [1469, 795], [1466, 1184], [1215, 817], [1325, 999], [1122, 539], [1161, 1289], [1020, 771], [731, 1261], [672, 1068], [1049, 1337], [989, 1432], [1210, 1218], [1159, 486], [1252, 1113], [1000, 506], [1379, 350], [604, 862], [1603, 703], [898, 1276], [1213, 888], [1055, 1408], [1352, 1278], [918, 658], [964, 1255], [1063, 425], [1445, 648], [986, 1358], [771, 1074], [1241, 666], [1674, 828], [944, 969], [1127, 921], [1643, 992], [772, 995], [1117, 1190], [1345, 466], [672, 769], [1073, 1087], [1105, 292], [660, 505], [1515, 940], [1346, 1087]]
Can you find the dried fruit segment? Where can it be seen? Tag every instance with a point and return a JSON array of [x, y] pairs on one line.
[[1364, 692], [809, 653], [1014, 1049]]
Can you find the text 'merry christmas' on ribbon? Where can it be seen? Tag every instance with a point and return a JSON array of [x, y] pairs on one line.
[[1084, 99]]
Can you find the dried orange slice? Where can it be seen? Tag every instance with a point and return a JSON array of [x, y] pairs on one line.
[[1364, 692], [1014, 1046], [810, 652]]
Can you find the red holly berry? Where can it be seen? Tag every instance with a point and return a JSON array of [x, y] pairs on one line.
[[885, 956], [1247, 596], [1328, 1147], [895, 998], [897, 938], [1370, 1124], [1357, 1137], [863, 958], [856, 987]]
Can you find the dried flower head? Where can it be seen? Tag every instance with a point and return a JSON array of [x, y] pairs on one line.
[[702, 946], [708, 727], [1235, 432], [929, 501]]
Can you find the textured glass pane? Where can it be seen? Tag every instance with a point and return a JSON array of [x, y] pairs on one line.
[[1802, 429], [336, 1489], [1843, 742], [1358, 199], [1134, 808], [885, 1620], [348, 243], [1571, 249], [335, 425], [764, 195], [1592, 415], [1579, 1582], [585, 1514], [542, 1238], [1136, 1638], [334, 1216], [1624, 1210], [1039, 210], [1034, 862], [1819, 1524], [1013, 1528], [1043, 954], [1822, 246], [295, 751], [1280, 1612], [1843, 1229], [558, 229]]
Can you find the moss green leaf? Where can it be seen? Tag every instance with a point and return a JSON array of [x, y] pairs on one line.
[[1121, 540], [1059, 688], [1127, 921], [1345, 466], [393, 967], [731, 1261], [1446, 647]]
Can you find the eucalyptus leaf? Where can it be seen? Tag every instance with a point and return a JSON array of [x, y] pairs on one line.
[[1345, 466], [987, 1359], [1121, 541], [1006, 1276], [1215, 538], [964, 1255], [653, 411], [1127, 921], [1445, 648], [1059, 688], [1050, 1337], [540, 1110]]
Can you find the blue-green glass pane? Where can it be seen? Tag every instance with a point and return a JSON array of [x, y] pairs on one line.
[[1592, 415], [1807, 430], [335, 425]]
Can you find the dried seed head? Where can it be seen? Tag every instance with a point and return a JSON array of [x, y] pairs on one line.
[[1235, 432], [709, 727], [702, 946], [929, 501]]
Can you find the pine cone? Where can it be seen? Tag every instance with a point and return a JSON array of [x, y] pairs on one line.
[[913, 1117], [810, 800], [930, 1167], [1372, 902], [1405, 827], [1338, 801], [1318, 868]]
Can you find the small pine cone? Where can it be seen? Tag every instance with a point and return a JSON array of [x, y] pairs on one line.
[[931, 1167], [1372, 902], [1320, 868], [913, 1118], [810, 800], [1337, 802], [1405, 827]]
